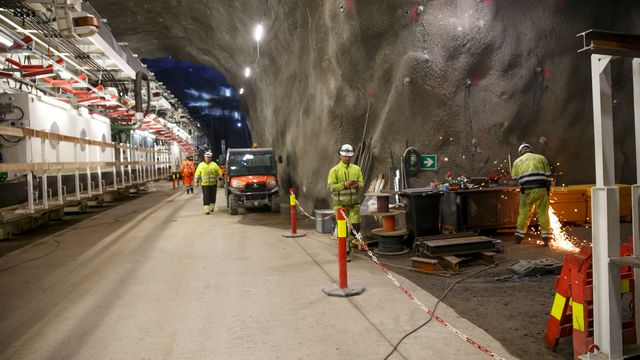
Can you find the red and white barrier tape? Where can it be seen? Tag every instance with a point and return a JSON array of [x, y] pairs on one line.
[[406, 291]]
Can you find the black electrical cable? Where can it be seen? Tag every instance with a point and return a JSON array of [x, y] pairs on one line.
[[33, 258], [21, 113], [10, 141], [436, 306], [3, 117]]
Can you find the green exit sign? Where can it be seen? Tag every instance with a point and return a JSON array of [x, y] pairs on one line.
[[428, 162]]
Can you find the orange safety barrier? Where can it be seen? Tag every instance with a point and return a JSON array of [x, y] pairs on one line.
[[572, 309]]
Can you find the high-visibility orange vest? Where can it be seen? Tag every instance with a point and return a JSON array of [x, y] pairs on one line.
[[187, 168]]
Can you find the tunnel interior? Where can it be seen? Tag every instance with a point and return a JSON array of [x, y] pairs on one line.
[[467, 81], [210, 100], [457, 87]]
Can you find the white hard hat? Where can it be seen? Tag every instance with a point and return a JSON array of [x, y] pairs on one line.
[[346, 150], [208, 153], [524, 146]]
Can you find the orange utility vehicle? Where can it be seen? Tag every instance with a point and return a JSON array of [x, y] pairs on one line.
[[251, 179]]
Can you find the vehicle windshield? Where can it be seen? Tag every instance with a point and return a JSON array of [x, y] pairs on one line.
[[241, 164]]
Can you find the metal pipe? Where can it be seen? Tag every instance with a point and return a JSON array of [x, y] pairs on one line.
[[607, 322], [635, 189], [45, 200], [30, 206]]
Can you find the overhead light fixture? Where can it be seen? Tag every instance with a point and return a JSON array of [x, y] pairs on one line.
[[241, 91], [5, 40], [258, 32], [239, 124], [247, 72]]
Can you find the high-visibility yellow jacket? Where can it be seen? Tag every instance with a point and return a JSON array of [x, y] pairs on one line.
[[532, 171], [340, 174], [207, 174]]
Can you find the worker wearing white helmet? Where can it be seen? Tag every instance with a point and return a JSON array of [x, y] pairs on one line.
[[534, 177], [207, 175], [344, 182]]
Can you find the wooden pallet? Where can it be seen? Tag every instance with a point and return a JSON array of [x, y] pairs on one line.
[[457, 245]]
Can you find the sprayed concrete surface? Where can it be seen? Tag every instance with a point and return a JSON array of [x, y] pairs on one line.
[[156, 279], [467, 80]]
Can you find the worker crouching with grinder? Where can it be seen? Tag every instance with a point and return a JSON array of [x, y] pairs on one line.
[[533, 173]]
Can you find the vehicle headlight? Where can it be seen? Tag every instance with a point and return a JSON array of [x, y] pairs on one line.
[[272, 183], [237, 184]]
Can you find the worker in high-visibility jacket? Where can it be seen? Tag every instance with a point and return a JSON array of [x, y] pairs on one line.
[[534, 177], [344, 182], [207, 175], [188, 170]]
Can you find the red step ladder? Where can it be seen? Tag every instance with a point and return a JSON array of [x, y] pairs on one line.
[[572, 310]]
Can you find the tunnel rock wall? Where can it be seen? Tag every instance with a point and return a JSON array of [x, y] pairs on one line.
[[468, 80]]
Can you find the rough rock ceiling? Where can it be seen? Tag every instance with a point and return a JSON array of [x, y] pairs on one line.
[[467, 80]]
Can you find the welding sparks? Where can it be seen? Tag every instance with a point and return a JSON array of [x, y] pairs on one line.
[[561, 240]]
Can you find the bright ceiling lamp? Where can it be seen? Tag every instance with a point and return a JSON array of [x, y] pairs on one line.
[[258, 32], [241, 91], [5, 40], [247, 72]]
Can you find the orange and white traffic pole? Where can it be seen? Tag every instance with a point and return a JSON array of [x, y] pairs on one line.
[[293, 207], [343, 289]]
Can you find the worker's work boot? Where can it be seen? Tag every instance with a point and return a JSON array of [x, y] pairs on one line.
[[207, 210], [546, 240], [212, 207], [517, 239], [348, 256]]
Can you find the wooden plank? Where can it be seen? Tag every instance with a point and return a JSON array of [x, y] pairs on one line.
[[457, 246], [423, 260], [41, 134], [459, 241], [5, 167], [452, 262], [11, 131], [425, 264], [488, 257]]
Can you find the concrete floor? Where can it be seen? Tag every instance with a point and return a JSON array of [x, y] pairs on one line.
[[154, 278]]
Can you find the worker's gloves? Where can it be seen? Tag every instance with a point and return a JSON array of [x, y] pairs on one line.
[[351, 184]]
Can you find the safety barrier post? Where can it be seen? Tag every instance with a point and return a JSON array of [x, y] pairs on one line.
[[173, 177], [294, 227], [342, 248], [343, 289]]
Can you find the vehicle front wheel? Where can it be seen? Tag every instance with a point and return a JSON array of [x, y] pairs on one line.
[[233, 204], [275, 204]]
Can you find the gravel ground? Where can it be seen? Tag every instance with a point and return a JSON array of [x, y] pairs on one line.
[[514, 311]]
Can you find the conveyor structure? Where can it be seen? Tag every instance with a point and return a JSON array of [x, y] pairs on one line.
[[71, 132]]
